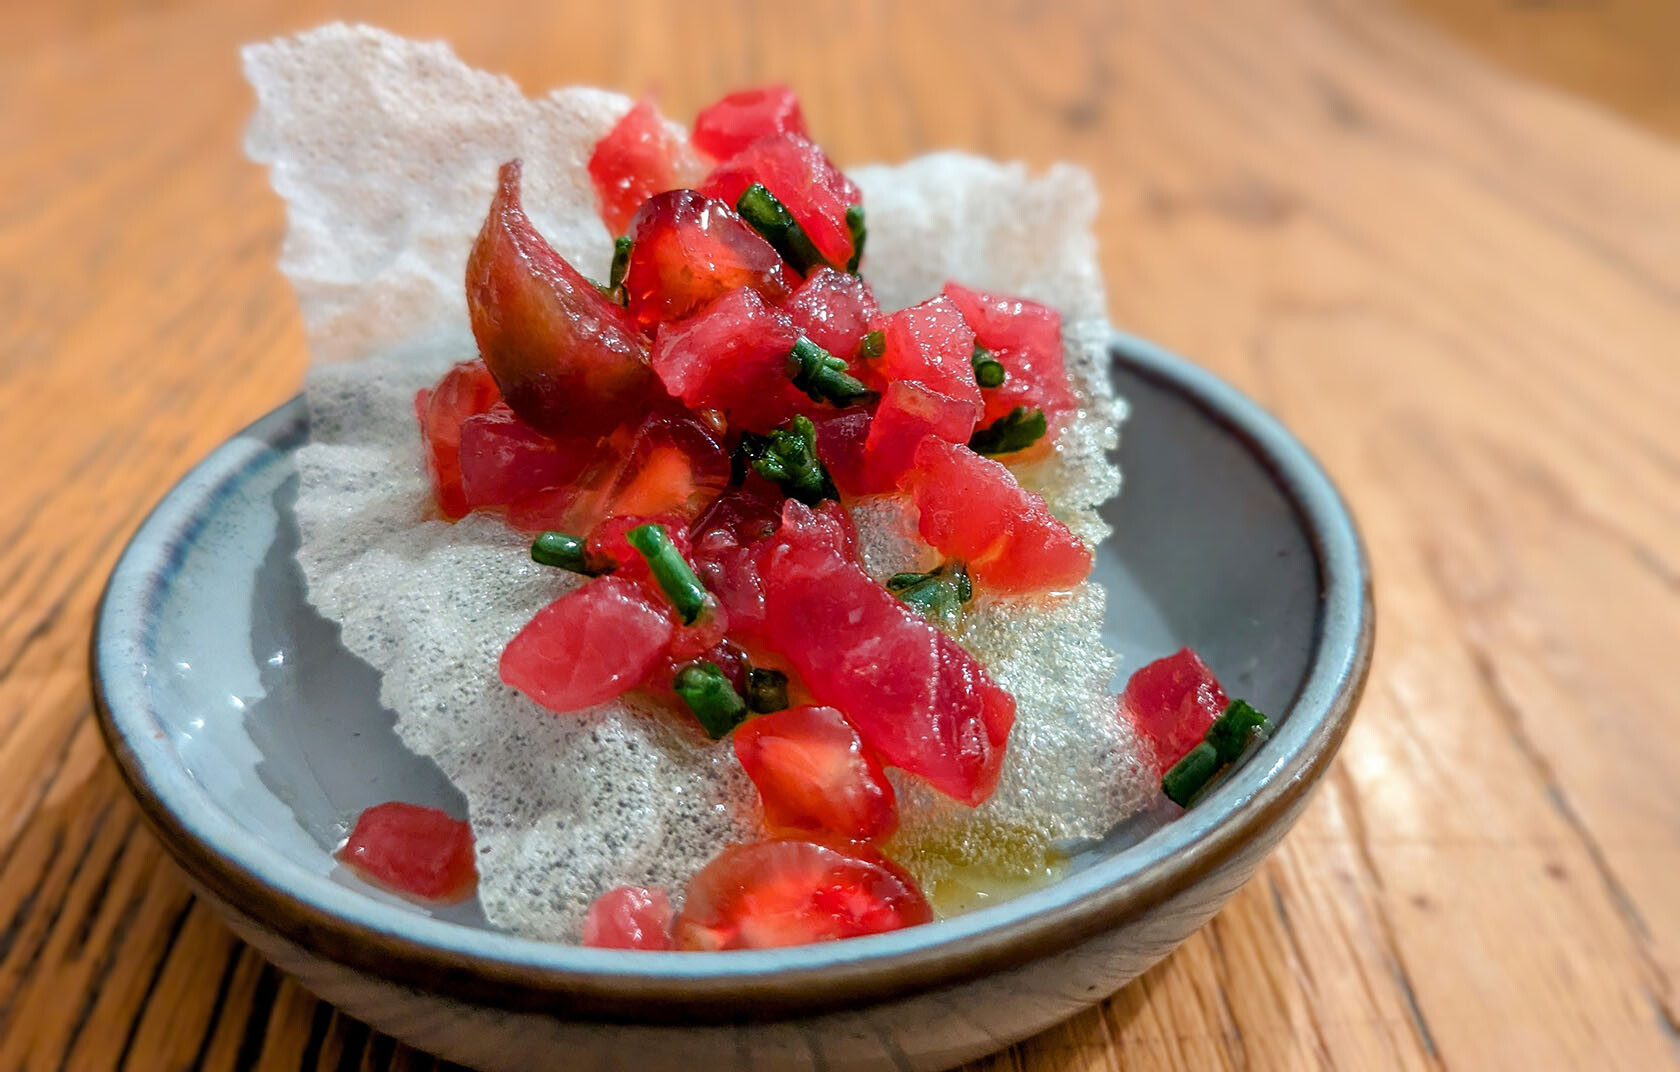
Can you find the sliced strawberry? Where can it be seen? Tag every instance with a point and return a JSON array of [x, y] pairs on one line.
[[414, 850], [589, 646], [688, 250], [803, 179], [639, 157], [833, 309], [735, 122], [568, 361], [1027, 338], [629, 917], [780, 893], [465, 390], [975, 511], [732, 357], [919, 701], [814, 776], [1172, 702]]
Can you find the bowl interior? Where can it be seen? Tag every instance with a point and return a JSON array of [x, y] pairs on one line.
[[236, 700]]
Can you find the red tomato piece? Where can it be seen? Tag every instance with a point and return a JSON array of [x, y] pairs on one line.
[[1172, 702], [1027, 338], [833, 309], [725, 540], [933, 345], [815, 777], [629, 917], [974, 510], [589, 646], [639, 157], [916, 697], [735, 122], [688, 250], [803, 179], [608, 542], [733, 357], [909, 412], [413, 850], [465, 390], [841, 436], [503, 459], [568, 361], [779, 893]]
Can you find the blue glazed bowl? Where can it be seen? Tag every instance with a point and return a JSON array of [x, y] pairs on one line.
[[250, 737]]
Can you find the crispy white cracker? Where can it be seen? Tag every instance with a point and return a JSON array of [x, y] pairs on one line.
[[385, 151]]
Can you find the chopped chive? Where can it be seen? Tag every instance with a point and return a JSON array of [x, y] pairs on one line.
[[937, 595], [766, 690], [670, 572], [1231, 732], [770, 218], [788, 458], [872, 345], [715, 703], [988, 370], [1191, 774], [855, 227], [568, 552], [620, 262], [1018, 430], [822, 376]]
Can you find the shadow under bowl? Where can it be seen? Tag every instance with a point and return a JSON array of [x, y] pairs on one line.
[[250, 738]]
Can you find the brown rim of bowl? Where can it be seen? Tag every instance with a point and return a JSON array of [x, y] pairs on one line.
[[736, 991]]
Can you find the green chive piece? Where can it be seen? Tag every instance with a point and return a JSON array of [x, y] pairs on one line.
[[859, 232], [568, 552], [788, 458], [670, 572], [1191, 774], [872, 345], [716, 705], [937, 595], [1231, 732], [822, 376], [988, 370], [770, 218], [766, 690], [1018, 430], [620, 262]]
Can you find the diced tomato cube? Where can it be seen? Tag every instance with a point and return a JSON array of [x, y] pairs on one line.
[[733, 357], [503, 459], [589, 646], [1172, 702], [841, 436], [414, 850], [629, 917], [568, 361], [803, 179], [833, 309], [608, 542], [919, 701], [465, 390], [688, 250], [639, 157], [725, 541], [779, 893], [1027, 338], [815, 777], [735, 122], [909, 412], [668, 465], [933, 345], [975, 511]]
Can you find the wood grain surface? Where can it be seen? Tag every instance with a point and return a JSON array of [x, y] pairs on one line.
[[1461, 288]]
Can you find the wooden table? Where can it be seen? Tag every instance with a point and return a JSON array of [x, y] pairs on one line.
[[1461, 289]]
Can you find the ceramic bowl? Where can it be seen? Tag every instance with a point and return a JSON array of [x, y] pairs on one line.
[[250, 738]]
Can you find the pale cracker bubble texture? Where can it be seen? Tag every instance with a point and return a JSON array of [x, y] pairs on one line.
[[385, 151]]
